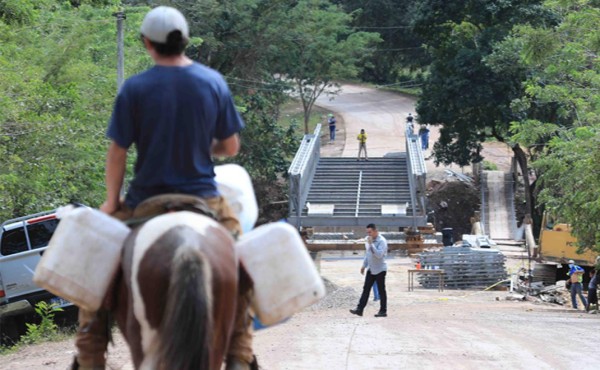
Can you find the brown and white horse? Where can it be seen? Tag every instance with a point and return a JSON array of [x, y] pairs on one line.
[[177, 293]]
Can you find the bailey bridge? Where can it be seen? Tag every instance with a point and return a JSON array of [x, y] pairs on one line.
[[341, 191]]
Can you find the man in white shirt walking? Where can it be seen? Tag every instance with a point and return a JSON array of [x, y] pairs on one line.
[[376, 267]]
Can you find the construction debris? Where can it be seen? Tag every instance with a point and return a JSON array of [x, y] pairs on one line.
[[537, 291]]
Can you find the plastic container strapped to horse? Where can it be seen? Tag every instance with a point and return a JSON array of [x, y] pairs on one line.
[[85, 251], [82, 257], [285, 278], [234, 183]]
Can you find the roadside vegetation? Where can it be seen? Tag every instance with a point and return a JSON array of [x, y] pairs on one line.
[[44, 331]]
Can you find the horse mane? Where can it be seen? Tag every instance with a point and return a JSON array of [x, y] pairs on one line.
[[187, 325]]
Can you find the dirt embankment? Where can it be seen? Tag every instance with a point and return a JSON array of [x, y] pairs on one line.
[[453, 204]]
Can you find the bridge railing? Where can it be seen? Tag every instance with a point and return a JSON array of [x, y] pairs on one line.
[[302, 170], [417, 174]]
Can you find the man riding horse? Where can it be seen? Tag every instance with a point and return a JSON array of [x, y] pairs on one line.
[[179, 114]]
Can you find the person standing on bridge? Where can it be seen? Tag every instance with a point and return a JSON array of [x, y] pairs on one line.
[[410, 124], [362, 144], [374, 262]]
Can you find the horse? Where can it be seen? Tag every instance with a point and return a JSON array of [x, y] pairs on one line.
[[177, 292]]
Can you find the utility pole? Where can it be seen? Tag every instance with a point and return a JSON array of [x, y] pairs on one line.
[[120, 54], [120, 63]]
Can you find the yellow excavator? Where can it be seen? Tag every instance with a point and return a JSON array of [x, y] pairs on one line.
[[557, 244]]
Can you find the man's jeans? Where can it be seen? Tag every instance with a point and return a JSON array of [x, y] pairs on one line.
[[376, 296], [425, 140], [577, 289], [369, 281]]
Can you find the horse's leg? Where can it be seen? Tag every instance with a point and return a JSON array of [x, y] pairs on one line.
[[122, 308]]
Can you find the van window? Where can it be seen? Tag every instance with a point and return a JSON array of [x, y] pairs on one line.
[[13, 241], [41, 232]]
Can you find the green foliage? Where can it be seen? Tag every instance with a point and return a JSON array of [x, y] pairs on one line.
[[58, 82], [267, 148], [467, 93], [317, 48], [46, 329], [20, 12], [490, 166], [400, 47], [560, 112]]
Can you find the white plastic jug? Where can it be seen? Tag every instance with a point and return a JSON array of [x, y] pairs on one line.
[[82, 257], [285, 277], [234, 183]]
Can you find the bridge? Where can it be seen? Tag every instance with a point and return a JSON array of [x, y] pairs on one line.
[[341, 191]]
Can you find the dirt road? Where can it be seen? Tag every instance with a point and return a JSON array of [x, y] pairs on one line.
[[425, 329], [382, 114]]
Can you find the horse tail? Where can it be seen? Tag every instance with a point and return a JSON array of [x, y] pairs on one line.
[[187, 327]]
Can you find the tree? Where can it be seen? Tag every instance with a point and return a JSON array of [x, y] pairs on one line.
[[306, 45], [400, 48], [317, 48], [266, 151], [464, 94], [560, 113]]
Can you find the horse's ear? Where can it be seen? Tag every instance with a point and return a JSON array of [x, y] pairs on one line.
[[245, 282]]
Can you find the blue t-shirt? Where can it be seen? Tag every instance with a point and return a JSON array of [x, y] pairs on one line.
[[172, 115]]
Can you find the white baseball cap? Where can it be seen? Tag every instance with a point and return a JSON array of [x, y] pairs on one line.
[[161, 21]]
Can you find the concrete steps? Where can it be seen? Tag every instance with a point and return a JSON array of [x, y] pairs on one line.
[[359, 189]]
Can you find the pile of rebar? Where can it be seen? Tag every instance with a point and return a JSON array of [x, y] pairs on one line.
[[463, 267]]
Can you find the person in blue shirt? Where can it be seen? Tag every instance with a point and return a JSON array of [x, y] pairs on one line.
[[374, 263], [179, 115], [331, 121], [424, 135], [576, 278]]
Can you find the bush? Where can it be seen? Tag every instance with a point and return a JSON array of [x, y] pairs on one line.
[[489, 166], [47, 328]]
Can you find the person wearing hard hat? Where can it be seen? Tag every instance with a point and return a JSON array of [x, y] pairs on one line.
[[576, 278]]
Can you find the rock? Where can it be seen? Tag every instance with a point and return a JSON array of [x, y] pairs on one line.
[[515, 297]]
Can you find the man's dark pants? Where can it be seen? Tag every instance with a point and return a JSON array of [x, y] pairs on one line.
[[370, 279]]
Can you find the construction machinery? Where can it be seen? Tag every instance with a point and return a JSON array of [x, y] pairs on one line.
[[557, 244]]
